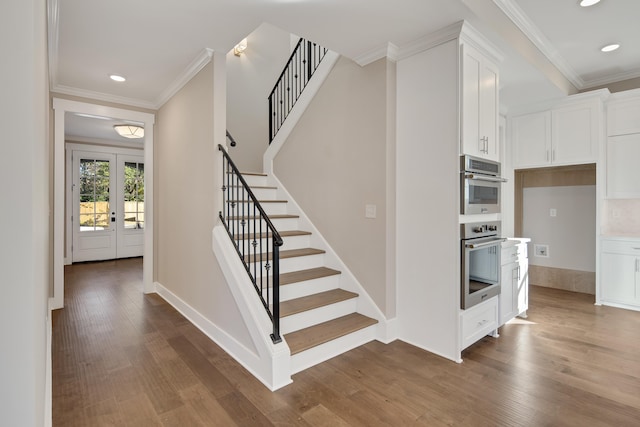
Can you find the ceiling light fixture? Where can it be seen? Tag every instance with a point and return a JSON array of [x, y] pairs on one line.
[[116, 78], [240, 47], [587, 3], [130, 131], [610, 47]]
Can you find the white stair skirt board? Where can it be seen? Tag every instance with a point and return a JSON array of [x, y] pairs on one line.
[[333, 348], [272, 366]]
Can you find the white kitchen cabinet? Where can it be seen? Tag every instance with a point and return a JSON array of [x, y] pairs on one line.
[[531, 136], [514, 281], [623, 153], [478, 321], [623, 115], [567, 134], [479, 89], [620, 273]]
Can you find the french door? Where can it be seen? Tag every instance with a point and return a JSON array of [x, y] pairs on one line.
[[108, 206]]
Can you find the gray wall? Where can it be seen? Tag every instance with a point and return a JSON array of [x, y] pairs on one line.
[[187, 167], [250, 78], [570, 234], [25, 258], [335, 162]]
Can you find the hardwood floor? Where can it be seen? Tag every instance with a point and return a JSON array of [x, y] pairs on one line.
[[122, 358]]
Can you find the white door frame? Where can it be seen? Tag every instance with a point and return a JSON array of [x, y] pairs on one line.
[[60, 108]]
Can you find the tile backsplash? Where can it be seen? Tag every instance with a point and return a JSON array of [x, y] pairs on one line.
[[621, 217]]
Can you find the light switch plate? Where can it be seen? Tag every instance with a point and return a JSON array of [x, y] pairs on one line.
[[370, 211], [553, 212]]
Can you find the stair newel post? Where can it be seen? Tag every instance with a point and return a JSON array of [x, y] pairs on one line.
[[275, 337]]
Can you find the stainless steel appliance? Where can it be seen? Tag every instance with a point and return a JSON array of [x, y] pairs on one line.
[[480, 184], [480, 267]]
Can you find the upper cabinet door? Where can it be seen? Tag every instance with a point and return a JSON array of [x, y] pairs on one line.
[[479, 110], [575, 133], [531, 138], [623, 117]]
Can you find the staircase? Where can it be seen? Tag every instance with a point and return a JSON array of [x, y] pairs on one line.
[[319, 318]]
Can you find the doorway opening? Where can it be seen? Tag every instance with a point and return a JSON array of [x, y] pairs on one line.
[[556, 207], [93, 218]]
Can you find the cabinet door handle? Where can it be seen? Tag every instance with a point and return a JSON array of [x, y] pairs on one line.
[[553, 155], [547, 155], [637, 265]]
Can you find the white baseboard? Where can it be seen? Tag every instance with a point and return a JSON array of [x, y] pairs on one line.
[[48, 373], [239, 352]]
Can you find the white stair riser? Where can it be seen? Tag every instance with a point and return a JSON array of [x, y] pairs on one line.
[[288, 265], [309, 287], [290, 242], [246, 209], [256, 180], [308, 318], [265, 193], [285, 223], [326, 351]]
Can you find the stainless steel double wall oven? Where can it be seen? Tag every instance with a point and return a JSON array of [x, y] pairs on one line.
[[480, 193]]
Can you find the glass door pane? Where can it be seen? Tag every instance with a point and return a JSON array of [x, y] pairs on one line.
[[95, 206], [133, 195]]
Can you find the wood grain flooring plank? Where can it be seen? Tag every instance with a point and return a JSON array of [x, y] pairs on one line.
[[320, 416], [202, 403], [243, 412], [138, 411], [207, 373]]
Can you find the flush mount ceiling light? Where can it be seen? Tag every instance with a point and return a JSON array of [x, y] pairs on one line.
[[130, 131], [240, 47], [116, 78], [610, 47], [587, 3]]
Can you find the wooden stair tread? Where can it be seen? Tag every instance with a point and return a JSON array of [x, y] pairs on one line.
[[261, 187], [321, 333], [281, 216], [291, 253], [310, 274], [260, 201], [287, 233], [250, 173], [298, 305]]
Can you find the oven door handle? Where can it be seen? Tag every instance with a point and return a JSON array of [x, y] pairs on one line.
[[484, 178], [482, 245]]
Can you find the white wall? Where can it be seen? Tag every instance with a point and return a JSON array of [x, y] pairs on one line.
[[250, 79], [571, 234], [24, 245], [188, 199]]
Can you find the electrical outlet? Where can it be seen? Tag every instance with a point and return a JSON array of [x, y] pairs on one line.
[[541, 251], [553, 212]]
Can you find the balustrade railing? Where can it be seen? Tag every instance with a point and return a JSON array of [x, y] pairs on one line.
[[302, 63], [256, 240]]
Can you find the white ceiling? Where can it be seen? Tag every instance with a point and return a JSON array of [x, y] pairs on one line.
[[155, 43]]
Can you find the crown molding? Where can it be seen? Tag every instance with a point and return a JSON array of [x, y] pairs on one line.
[[533, 33], [448, 33], [53, 29], [612, 78], [100, 96], [386, 50], [192, 69], [475, 38]]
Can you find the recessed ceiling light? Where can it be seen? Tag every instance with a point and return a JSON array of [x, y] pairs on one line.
[[587, 3], [610, 47], [116, 78]]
